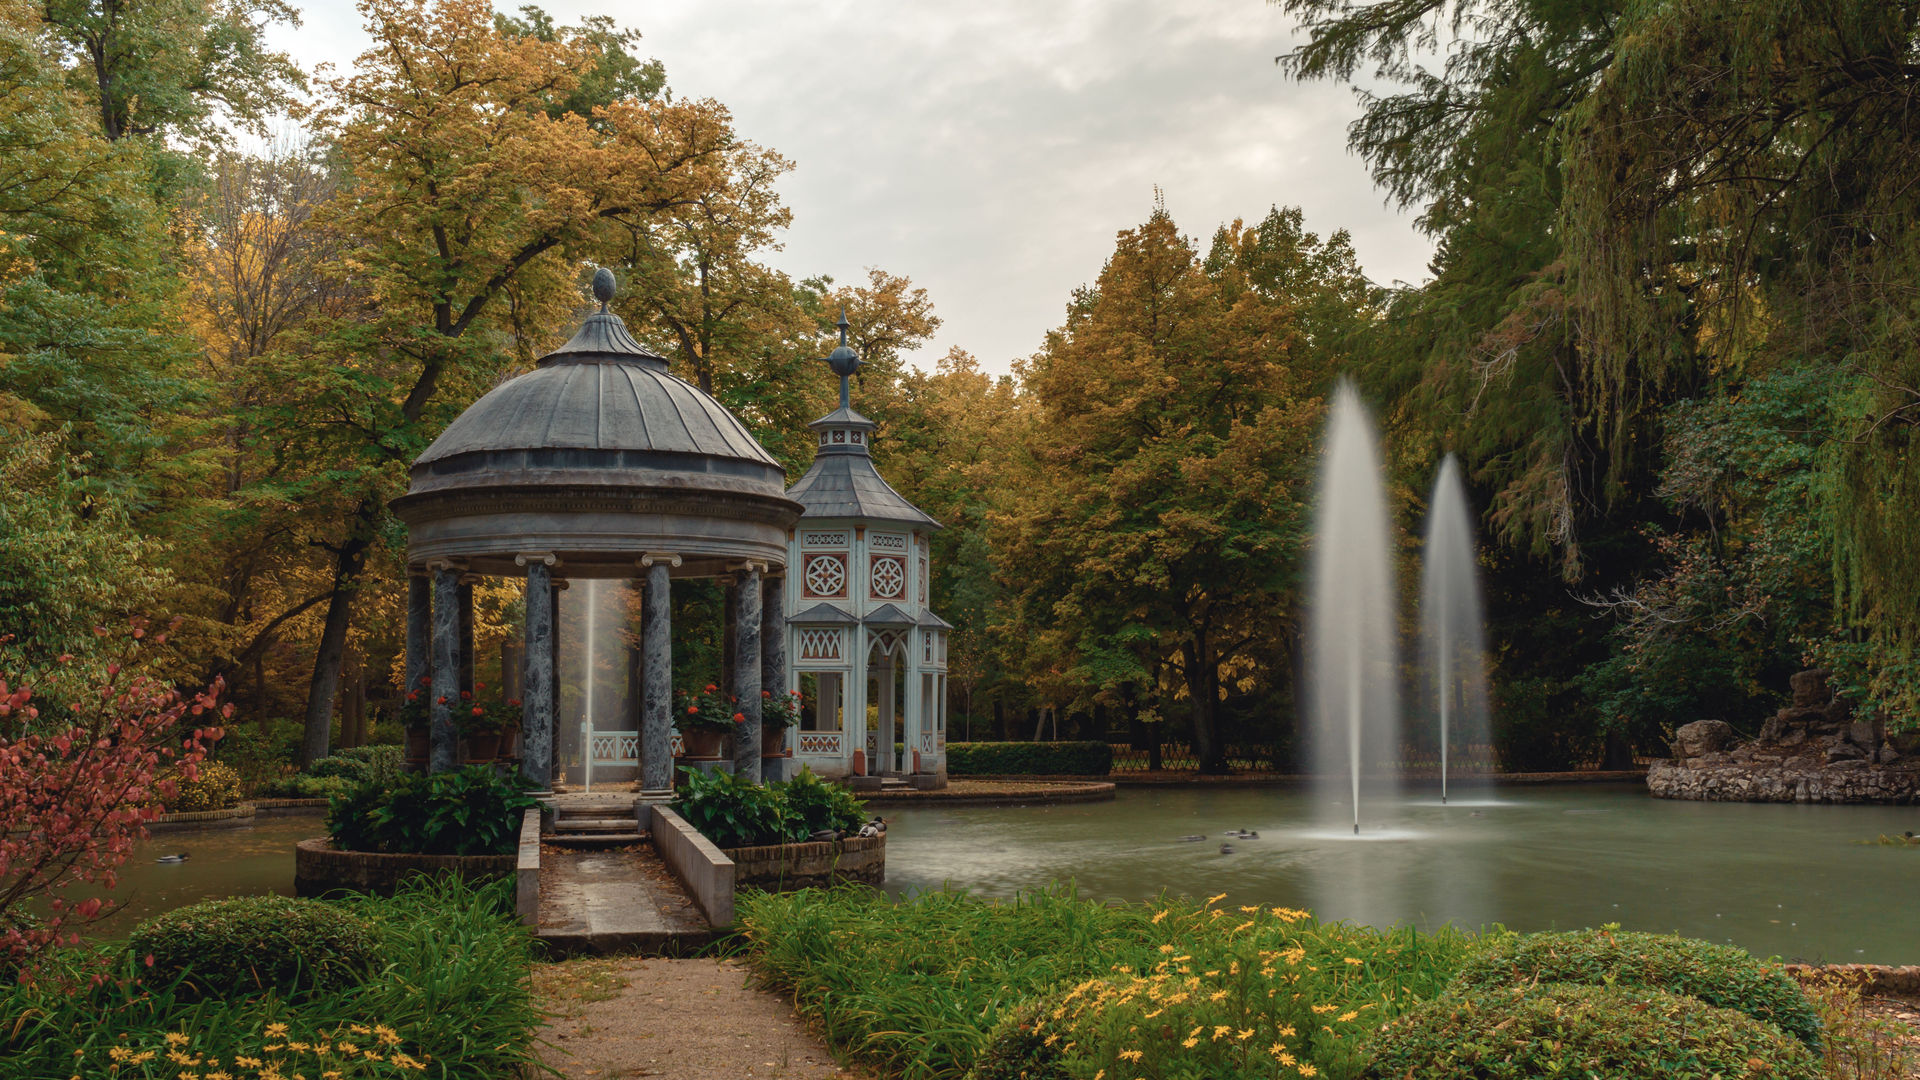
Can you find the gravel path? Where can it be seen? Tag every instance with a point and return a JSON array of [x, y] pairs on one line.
[[621, 1017]]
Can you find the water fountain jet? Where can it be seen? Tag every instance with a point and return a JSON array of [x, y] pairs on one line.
[[1452, 645], [1353, 713]]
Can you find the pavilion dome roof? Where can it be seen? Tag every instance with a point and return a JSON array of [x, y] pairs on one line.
[[600, 391], [598, 455]]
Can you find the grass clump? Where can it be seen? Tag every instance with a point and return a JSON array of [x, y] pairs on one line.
[[248, 944], [1718, 975], [930, 987], [1563, 1029], [449, 996]]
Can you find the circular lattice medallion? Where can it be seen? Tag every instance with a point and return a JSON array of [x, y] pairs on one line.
[[826, 575], [889, 578]]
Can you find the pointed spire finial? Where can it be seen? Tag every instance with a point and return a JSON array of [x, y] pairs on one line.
[[843, 326], [603, 287]]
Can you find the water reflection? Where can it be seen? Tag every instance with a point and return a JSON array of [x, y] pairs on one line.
[[1803, 882]]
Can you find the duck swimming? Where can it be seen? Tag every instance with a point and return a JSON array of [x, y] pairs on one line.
[[1192, 839], [1226, 849], [180, 858]]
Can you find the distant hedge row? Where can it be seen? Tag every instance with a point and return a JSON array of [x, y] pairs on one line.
[[1035, 758]]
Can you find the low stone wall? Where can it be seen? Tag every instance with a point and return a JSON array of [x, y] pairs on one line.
[[786, 867], [702, 868], [1871, 979], [977, 791], [290, 807], [319, 868], [203, 819], [1717, 778], [526, 871]]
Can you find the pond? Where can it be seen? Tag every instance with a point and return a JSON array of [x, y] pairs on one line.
[[1802, 882], [240, 860]]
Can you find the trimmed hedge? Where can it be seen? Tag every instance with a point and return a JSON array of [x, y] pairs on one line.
[[1716, 974], [1029, 758], [1560, 1029], [213, 787], [250, 943]]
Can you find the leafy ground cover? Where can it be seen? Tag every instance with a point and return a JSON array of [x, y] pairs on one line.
[[448, 996], [1051, 987]]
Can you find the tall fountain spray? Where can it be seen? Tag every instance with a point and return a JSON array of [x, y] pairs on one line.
[[1354, 739], [1451, 643]]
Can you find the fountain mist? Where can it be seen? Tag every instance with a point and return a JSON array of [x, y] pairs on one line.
[[1353, 736], [1451, 644]]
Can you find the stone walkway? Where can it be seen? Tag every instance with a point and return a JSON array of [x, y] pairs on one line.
[[623, 900], [673, 1020]]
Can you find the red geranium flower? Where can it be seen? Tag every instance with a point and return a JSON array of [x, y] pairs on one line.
[[478, 711], [443, 699], [739, 718], [711, 688], [693, 710]]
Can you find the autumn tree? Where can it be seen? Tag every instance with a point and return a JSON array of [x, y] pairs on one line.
[[470, 200], [1158, 518]]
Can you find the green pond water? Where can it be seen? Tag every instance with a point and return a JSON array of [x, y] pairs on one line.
[[1787, 880], [1802, 882]]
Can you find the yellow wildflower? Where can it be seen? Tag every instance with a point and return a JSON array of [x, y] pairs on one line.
[[1253, 909], [1245, 1035], [1190, 1043], [387, 1035], [175, 1038], [1354, 960], [1323, 1009], [360, 1029], [1166, 948], [1221, 1029], [247, 1062], [1154, 1013], [220, 1074], [1349, 1015], [1308, 1070], [1286, 1058], [1161, 914], [1277, 1049], [1132, 1055], [1287, 1030], [276, 1031], [1216, 995]]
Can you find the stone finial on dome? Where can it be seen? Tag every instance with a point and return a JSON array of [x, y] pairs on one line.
[[844, 361], [603, 287]]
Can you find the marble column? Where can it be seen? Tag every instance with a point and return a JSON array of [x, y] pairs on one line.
[[746, 674], [419, 631], [889, 718], [553, 745], [773, 664], [466, 633], [537, 678], [446, 669], [656, 677]]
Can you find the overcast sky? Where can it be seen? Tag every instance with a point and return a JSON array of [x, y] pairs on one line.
[[990, 149]]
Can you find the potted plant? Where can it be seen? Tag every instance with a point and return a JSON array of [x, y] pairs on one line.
[[778, 712], [488, 728], [704, 719], [417, 719]]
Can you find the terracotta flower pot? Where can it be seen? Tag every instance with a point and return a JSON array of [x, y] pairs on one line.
[[484, 747], [701, 743], [773, 740]]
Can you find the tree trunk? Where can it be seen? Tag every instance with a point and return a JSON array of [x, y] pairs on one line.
[[349, 558], [999, 720], [1203, 693]]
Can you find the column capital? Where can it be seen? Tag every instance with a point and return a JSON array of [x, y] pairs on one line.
[[437, 565], [747, 566], [547, 558], [651, 557]]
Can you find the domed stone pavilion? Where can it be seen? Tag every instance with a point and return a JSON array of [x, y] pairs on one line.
[[598, 464]]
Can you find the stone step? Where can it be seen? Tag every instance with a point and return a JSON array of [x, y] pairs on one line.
[[593, 810], [593, 841], [612, 824]]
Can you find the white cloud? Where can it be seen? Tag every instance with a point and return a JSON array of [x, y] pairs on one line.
[[991, 149]]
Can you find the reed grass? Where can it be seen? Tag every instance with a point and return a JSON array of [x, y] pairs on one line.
[[450, 997], [915, 988]]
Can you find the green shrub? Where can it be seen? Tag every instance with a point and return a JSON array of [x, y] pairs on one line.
[[302, 786], [732, 811], [469, 811], [1029, 758], [1560, 1029], [450, 990], [1716, 974], [252, 943], [214, 787], [814, 805], [381, 764]]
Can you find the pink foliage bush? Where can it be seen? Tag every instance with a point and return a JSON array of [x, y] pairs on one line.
[[76, 793]]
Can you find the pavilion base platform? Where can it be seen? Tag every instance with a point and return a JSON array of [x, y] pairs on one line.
[[624, 901]]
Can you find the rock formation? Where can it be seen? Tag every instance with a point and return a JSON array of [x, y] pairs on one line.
[[1813, 750]]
